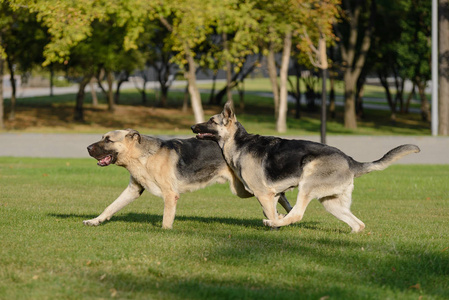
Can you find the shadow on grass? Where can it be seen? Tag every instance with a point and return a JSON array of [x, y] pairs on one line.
[[318, 267], [156, 220], [173, 287], [341, 267]]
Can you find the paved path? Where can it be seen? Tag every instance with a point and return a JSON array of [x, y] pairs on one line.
[[434, 150]]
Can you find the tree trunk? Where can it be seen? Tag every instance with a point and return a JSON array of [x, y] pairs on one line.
[[297, 90], [52, 75], [399, 82], [242, 74], [298, 98], [212, 90], [354, 60], [330, 73], [143, 89], [425, 109], [384, 82], [332, 109], [272, 72], [443, 92], [164, 95], [79, 109], [309, 83], [350, 120], [110, 92], [2, 109], [323, 106], [12, 114], [93, 92], [143, 93], [359, 100], [195, 98], [324, 66], [185, 102], [359, 94], [119, 85], [228, 82], [163, 75], [409, 99], [281, 123], [241, 89]]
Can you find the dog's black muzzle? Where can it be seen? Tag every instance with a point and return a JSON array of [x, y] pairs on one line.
[[203, 131], [105, 158], [90, 149]]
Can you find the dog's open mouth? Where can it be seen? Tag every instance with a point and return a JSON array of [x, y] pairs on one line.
[[204, 135], [105, 161]]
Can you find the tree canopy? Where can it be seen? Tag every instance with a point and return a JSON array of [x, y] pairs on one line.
[[88, 36]]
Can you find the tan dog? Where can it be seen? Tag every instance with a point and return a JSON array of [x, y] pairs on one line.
[[268, 166], [166, 168]]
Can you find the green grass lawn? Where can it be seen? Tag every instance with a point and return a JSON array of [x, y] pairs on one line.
[[218, 248]]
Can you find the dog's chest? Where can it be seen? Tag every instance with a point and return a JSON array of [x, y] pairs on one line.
[[146, 178]]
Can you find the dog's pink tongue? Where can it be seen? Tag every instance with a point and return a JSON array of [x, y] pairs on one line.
[[105, 161]]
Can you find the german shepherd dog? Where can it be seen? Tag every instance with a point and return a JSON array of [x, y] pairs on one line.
[[269, 165], [166, 168]]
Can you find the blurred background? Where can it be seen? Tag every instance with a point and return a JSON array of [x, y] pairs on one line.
[[161, 66]]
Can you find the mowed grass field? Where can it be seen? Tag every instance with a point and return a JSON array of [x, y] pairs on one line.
[[218, 248]]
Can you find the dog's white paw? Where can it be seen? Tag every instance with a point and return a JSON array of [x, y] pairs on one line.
[[92, 222], [268, 223], [358, 229]]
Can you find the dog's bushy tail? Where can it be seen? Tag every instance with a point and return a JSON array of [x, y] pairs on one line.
[[381, 164]]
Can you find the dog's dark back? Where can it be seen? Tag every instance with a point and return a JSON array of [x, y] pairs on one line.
[[282, 158], [198, 159]]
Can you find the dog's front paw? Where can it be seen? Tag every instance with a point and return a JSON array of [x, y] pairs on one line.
[[271, 224], [93, 222], [268, 223]]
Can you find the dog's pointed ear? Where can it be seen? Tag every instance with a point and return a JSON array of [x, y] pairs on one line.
[[228, 112], [133, 134]]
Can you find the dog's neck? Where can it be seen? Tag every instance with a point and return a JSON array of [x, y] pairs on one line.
[[230, 137], [231, 142], [139, 152], [241, 131]]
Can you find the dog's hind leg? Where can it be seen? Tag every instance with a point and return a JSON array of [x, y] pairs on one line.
[[339, 206], [284, 202], [170, 201]]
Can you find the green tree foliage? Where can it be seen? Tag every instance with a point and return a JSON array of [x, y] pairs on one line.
[[383, 56], [355, 34], [414, 47], [92, 35], [154, 44], [232, 41], [190, 22], [22, 42], [283, 23]]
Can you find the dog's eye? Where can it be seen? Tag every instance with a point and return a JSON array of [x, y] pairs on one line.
[[107, 140]]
